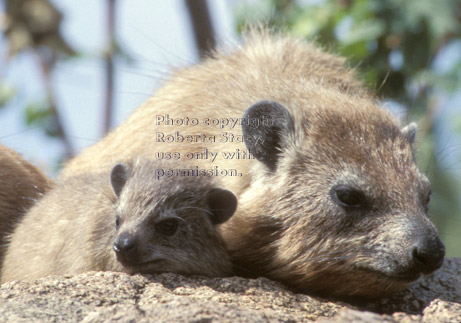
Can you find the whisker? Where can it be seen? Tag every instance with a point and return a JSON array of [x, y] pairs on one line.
[[110, 198], [208, 212], [170, 53]]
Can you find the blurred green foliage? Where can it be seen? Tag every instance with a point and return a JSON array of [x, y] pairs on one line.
[[6, 93], [395, 44], [41, 115]]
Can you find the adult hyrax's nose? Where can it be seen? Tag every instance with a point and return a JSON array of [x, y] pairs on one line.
[[428, 254], [125, 245]]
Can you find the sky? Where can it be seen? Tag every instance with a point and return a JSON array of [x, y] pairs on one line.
[[156, 34]]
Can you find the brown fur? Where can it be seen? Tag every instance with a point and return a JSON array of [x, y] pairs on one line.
[[21, 185], [74, 228], [289, 226]]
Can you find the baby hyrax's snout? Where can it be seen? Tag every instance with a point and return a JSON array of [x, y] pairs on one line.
[[126, 249]]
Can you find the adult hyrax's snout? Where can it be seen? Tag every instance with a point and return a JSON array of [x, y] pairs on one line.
[[413, 249], [427, 253]]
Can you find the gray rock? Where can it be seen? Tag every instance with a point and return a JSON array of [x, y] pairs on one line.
[[118, 297]]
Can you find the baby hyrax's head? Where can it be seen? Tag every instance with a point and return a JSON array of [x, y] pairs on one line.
[[168, 223]]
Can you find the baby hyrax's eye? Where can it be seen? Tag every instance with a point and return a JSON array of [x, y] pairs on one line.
[[117, 222], [167, 227], [426, 201]]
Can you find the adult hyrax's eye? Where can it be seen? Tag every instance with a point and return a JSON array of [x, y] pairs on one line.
[[348, 196], [167, 227], [117, 222]]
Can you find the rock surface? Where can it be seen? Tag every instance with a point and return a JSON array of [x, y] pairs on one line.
[[118, 297]]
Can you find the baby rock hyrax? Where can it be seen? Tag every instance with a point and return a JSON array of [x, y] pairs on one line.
[[130, 221], [330, 200], [21, 185]]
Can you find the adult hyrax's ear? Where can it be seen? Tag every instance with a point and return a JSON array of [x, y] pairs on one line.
[[222, 203], [118, 177], [266, 128], [409, 131]]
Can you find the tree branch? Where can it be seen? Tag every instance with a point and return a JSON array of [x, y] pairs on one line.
[[203, 28], [46, 68], [109, 62]]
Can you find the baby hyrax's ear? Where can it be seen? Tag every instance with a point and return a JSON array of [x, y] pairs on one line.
[[118, 177], [222, 203]]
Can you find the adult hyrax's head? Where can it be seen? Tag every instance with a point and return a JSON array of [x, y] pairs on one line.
[[338, 206], [168, 224]]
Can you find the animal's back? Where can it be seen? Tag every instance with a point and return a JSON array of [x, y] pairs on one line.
[[55, 236], [21, 185]]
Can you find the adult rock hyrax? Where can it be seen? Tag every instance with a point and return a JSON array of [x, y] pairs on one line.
[[21, 185], [331, 203], [132, 221]]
